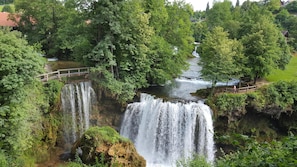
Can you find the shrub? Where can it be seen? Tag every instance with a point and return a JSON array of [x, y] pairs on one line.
[[3, 159], [7, 8], [196, 161], [276, 153], [281, 94], [230, 102]]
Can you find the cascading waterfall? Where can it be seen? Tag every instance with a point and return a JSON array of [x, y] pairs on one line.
[[77, 102], [164, 132]]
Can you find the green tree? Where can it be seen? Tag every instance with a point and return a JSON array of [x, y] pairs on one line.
[[177, 30], [273, 5], [237, 3], [74, 37], [158, 14], [7, 8], [3, 2], [292, 7], [172, 29], [122, 37], [20, 64], [200, 30], [288, 22], [219, 14], [218, 55], [263, 49], [20, 99], [207, 7], [40, 21]]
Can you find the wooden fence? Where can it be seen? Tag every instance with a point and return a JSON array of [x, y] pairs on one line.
[[241, 89], [64, 73]]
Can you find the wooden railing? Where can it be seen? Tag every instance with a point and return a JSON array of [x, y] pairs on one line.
[[241, 89], [64, 73]]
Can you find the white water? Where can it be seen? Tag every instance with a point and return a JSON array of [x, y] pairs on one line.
[[76, 106], [164, 132]]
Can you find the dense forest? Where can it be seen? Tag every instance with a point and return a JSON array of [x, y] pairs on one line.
[[133, 44], [3, 2]]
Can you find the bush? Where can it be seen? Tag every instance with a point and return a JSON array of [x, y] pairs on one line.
[[256, 100], [272, 154], [230, 102], [52, 90], [281, 94], [3, 159], [196, 161], [7, 8]]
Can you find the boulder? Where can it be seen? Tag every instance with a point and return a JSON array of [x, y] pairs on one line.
[[106, 146]]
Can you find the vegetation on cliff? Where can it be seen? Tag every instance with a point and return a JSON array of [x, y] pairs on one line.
[[276, 153], [25, 103], [104, 144]]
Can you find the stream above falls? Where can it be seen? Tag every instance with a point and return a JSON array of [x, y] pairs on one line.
[[189, 82]]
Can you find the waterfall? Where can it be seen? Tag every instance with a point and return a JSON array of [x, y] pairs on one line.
[[77, 102], [164, 132]]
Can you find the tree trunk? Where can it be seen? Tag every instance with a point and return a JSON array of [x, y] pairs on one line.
[[213, 86], [255, 78]]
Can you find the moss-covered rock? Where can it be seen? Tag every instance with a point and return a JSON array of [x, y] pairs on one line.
[[98, 142]]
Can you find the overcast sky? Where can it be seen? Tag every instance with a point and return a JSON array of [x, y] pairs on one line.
[[201, 4]]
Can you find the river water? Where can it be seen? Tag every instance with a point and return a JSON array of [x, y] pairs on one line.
[[189, 82]]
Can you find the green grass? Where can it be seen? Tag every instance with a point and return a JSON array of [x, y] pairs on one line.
[[289, 74]]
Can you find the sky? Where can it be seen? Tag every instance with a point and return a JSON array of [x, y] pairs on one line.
[[201, 4]]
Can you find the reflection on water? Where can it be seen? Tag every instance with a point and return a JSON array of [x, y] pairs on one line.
[[189, 82]]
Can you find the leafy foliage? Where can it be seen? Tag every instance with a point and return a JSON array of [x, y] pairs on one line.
[[40, 21], [106, 134], [230, 102], [21, 100], [281, 94], [292, 7], [194, 162], [20, 63], [6, 2], [218, 55], [3, 159], [7, 8], [263, 49], [52, 89], [275, 153], [219, 14], [253, 25]]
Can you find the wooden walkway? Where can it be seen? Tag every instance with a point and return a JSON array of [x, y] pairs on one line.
[[241, 89], [64, 73]]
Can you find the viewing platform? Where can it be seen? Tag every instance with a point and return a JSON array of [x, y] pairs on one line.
[[64, 73]]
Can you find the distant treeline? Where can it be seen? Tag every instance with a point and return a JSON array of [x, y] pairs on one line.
[[2, 2]]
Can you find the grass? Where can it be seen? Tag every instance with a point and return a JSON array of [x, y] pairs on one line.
[[289, 74]]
